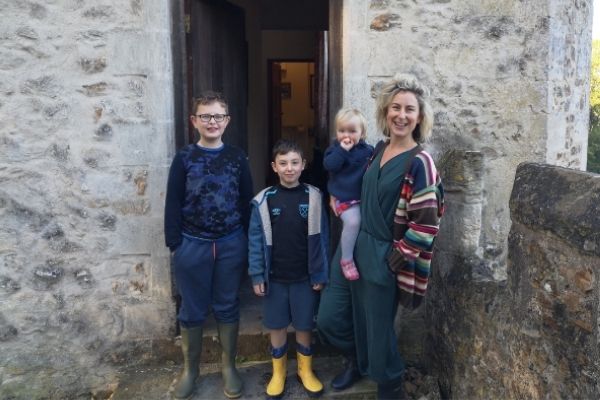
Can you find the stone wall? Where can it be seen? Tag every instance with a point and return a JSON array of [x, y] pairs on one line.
[[509, 79], [86, 138], [87, 135], [536, 335]]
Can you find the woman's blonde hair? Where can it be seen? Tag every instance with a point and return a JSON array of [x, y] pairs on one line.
[[405, 83], [345, 114]]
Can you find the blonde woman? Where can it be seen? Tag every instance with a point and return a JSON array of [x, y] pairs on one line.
[[401, 204]]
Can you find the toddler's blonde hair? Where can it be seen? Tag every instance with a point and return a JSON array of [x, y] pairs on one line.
[[346, 114]]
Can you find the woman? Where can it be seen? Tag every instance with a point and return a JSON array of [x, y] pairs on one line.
[[402, 201]]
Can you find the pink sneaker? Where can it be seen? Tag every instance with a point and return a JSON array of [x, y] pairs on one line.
[[349, 270]]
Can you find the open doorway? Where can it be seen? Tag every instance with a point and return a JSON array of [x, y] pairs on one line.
[[232, 46], [240, 47], [292, 104]]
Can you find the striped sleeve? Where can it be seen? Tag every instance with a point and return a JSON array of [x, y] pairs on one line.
[[416, 224]]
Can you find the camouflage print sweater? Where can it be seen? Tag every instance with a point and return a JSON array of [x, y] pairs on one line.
[[208, 193]]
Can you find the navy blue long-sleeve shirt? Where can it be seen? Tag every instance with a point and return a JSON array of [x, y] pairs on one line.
[[346, 169], [208, 193]]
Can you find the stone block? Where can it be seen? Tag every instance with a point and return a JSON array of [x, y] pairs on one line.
[[558, 200], [147, 320], [156, 188], [138, 235], [515, 340], [160, 276], [151, 59]]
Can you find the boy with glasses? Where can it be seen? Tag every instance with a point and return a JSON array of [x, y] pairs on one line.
[[206, 220]]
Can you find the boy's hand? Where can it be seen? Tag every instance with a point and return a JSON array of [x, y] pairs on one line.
[[259, 289], [347, 144], [317, 286], [332, 205]]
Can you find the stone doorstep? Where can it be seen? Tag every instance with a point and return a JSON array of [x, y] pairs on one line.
[[156, 383], [154, 380], [253, 339]]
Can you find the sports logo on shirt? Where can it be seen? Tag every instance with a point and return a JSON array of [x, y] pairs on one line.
[[303, 209], [276, 212]]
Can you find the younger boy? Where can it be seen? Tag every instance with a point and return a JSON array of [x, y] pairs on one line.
[[206, 214], [288, 263]]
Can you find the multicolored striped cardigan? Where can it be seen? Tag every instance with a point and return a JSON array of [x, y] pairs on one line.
[[416, 224]]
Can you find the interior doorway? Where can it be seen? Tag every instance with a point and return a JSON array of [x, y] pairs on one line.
[[292, 95], [240, 47], [235, 46]]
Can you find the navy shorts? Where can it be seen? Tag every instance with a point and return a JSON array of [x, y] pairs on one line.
[[294, 303]]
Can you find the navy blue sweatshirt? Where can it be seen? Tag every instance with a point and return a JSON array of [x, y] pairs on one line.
[[346, 169], [208, 193], [288, 208]]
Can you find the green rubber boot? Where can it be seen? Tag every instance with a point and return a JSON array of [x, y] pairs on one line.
[[232, 382], [191, 346]]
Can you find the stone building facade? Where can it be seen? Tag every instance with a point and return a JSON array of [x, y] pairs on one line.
[[87, 135], [508, 79], [91, 111]]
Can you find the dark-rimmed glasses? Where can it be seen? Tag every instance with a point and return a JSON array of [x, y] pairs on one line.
[[208, 117]]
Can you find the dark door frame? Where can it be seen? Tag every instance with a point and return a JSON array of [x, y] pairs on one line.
[[181, 51]]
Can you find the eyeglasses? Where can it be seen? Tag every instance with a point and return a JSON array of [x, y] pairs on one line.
[[208, 117]]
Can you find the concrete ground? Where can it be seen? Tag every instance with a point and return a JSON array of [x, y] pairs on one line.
[[155, 383]]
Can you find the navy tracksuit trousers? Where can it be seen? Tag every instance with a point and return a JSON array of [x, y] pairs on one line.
[[208, 274]]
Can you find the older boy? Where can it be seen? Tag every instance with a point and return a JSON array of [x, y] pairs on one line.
[[288, 263], [206, 214]]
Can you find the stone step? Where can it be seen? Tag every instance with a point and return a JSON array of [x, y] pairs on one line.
[[253, 340], [156, 382]]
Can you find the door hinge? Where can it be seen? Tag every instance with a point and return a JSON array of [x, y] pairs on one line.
[[187, 23]]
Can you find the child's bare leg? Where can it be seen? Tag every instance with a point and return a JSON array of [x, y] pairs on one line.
[[304, 338], [278, 337]]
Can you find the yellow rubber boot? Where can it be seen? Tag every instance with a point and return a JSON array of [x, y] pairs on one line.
[[276, 385], [311, 383]]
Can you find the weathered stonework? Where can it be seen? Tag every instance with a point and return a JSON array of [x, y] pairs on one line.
[[86, 137], [536, 336], [508, 79]]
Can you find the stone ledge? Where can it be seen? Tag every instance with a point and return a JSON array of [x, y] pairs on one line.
[[560, 200]]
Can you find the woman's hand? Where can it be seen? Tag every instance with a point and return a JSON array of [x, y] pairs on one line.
[[317, 287], [332, 201], [259, 289]]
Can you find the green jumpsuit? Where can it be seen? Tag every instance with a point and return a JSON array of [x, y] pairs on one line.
[[358, 316]]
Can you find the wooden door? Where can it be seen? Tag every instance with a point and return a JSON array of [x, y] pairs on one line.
[[275, 113], [219, 60], [321, 95], [275, 103]]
